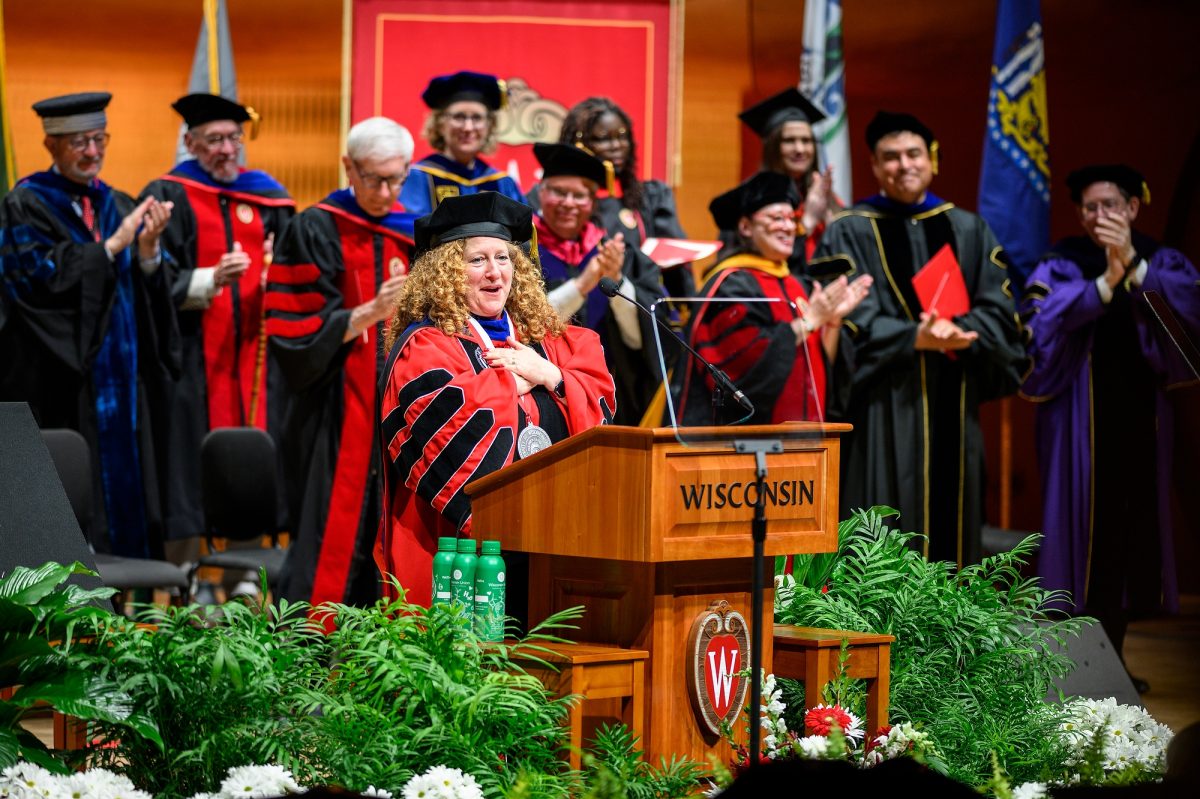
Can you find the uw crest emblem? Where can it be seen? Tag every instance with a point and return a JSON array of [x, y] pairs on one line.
[[245, 213], [627, 218], [1017, 109], [718, 648], [395, 266]]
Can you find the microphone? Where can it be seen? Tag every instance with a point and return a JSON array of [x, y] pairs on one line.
[[610, 288]]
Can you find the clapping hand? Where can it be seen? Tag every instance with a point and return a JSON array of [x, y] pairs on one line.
[[937, 333], [155, 216], [1114, 234], [231, 266], [611, 257], [819, 203]]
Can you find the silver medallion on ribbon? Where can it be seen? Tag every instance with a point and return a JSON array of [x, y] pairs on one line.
[[532, 439]]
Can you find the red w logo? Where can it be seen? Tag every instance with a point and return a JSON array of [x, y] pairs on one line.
[[722, 656]]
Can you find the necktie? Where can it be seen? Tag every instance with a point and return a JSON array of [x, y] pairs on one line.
[[89, 216]]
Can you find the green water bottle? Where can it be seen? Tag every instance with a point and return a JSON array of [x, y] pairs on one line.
[[489, 593], [443, 568], [462, 578]]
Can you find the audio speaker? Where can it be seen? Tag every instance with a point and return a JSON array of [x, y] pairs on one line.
[[1098, 672], [36, 521]]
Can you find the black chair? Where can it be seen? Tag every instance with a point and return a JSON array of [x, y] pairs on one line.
[[73, 461], [240, 499]]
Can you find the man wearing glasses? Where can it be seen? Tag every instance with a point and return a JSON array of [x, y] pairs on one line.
[[86, 323], [1101, 369], [220, 241], [330, 292]]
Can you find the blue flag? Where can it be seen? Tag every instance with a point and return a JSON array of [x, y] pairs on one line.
[[1014, 182]]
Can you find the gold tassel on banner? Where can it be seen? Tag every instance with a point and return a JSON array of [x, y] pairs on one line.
[[933, 156]]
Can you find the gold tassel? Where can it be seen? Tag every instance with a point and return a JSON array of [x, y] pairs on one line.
[[610, 178], [533, 251], [1145, 193], [933, 156], [503, 93], [255, 119]]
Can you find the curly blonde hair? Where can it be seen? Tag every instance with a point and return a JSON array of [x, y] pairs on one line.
[[432, 132], [437, 289]]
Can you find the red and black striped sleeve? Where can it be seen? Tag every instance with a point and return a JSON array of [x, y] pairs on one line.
[[306, 314]]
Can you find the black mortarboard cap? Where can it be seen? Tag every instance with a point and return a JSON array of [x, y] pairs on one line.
[[886, 123], [197, 109], [564, 159], [763, 189], [477, 86], [485, 213], [787, 106], [1128, 179], [73, 113]]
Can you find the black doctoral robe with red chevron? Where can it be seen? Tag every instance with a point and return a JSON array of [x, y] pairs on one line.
[[332, 258]]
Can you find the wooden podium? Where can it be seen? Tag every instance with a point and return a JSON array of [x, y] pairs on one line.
[[646, 532]]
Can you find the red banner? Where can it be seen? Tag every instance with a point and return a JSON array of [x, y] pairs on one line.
[[551, 54]]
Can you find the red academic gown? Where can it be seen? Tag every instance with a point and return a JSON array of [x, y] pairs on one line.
[[224, 376], [449, 419]]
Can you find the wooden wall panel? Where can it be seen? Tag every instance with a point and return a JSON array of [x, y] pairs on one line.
[[288, 59]]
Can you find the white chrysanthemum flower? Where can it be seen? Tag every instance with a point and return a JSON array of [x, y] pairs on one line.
[[1029, 790], [258, 782], [442, 782], [26, 780], [379, 793], [814, 747]]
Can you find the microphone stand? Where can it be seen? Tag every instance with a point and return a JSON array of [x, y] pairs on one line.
[[760, 448], [722, 383]]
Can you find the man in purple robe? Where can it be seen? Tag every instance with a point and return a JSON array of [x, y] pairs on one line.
[[1101, 364]]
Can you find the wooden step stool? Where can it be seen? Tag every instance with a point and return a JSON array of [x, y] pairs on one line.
[[593, 671], [811, 654]]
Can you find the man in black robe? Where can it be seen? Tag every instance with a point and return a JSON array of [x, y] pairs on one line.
[[919, 379], [332, 287], [85, 318], [220, 240]]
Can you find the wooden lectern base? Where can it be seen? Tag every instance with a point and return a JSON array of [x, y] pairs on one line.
[[650, 606], [646, 532]]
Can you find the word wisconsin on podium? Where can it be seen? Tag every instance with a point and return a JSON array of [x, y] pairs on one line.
[[940, 287]]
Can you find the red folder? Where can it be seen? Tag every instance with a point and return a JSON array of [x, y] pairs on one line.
[[939, 285]]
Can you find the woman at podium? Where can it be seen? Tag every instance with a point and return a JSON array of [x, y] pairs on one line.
[[481, 372], [783, 355]]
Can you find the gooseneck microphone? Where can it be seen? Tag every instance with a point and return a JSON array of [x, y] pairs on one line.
[[610, 288]]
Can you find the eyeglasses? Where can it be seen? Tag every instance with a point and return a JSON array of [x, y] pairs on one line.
[[775, 219], [461, 120], [215, 140], [376, 182], [80, 143], [1109, 206], [579, 197]]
